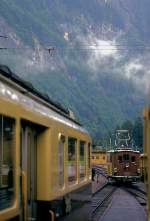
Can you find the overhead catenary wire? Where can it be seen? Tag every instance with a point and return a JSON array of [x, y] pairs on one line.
[[108, 46], [84, 48], [77, 49]]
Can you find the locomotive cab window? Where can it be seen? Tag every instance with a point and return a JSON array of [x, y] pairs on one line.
[[133, 159], [120, 159], [125, 157], [7, 147], [72, 160], [61, 161], [82, 160]]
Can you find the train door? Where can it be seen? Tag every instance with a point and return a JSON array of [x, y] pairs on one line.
[[29, 171]]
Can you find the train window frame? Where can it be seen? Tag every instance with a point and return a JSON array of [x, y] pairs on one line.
[[82, 178], [8, 160], [73, 164], [89, 155], [61, 161]]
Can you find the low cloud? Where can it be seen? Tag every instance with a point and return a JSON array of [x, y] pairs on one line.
[[103, 56], [138, 70], [108, 56], [132, 68]]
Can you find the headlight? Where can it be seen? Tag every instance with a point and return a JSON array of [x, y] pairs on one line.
[[115, 170], [138, 170]]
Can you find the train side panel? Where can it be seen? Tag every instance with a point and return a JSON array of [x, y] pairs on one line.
[[44, 158], [146, 156]]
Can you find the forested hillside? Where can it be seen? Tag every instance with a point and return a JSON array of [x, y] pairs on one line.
[[99, 62]]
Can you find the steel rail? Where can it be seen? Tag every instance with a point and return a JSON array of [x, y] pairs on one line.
[[102, 201], [135, 193]]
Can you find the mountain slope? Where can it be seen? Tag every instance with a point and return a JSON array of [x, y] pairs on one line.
[[88, 71]]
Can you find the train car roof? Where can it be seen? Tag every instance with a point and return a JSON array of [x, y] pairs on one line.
[[7, 75], [98, 151], [123, 150]]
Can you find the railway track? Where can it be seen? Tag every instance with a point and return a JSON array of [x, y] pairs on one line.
[[124, 206], [138, 193], [101, 200], [100, 179]]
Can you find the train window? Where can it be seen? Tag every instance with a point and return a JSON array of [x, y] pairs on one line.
[[82, 160], [89, 155], [133, 159], [6, 161], [125, 157], [97, 157], [120, 159], [72, 160], [61, 160]]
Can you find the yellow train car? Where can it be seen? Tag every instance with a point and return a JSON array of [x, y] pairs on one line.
[[109, 165], [99, 157], [44, 153], [142, 166], [146, 155]]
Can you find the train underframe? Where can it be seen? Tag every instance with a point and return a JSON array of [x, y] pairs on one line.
[[60, 207], [124, 179]]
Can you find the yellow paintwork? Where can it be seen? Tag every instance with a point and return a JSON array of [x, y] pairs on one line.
[[109, 169], [47, 156], [24, 195], [146, 155], [52, 215], [99, 158], [143, 170], [67, 188]]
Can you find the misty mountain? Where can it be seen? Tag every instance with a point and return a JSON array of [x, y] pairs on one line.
[[98, 62]]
